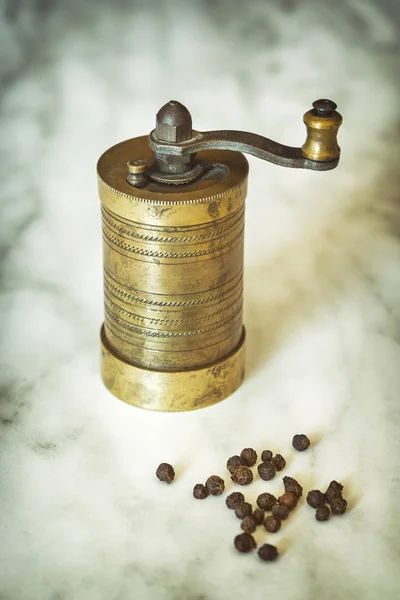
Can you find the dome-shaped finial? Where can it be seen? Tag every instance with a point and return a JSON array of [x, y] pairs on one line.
[[174, 122], [324, 107]]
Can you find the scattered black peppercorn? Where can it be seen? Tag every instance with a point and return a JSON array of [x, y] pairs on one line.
[[280, 511], [300, 442], [243, 510], [331, 497], [334, 491], [248, 457], [288, 499], [322, 513], [315, 498], [266, 470], [233, 463], [165, 472], [335, 485], [242, 476], [338, 505], [234, 499], [244, 542], [200, 491], [266, 501], [215, 485], [248, 525], [279, 462], [268, 552], [272, 524], [292, 486], [334, 497], [258, 516], [266, 455]]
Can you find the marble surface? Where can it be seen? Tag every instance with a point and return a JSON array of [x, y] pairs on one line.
[[81, 513]]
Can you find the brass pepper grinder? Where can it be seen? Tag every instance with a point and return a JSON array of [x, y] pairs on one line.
[[173, 223]]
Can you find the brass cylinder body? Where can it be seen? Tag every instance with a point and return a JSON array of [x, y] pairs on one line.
[[173, 336]]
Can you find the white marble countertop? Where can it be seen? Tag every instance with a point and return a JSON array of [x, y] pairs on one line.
[[82, 515]]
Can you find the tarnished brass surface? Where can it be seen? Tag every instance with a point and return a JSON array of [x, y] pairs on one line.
[[173, 222], [321, 143], [172, 390], [173, 281]]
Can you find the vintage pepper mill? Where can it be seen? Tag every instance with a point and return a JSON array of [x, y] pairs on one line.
[[173, 222]]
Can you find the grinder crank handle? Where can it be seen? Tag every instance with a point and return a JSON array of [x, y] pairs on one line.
[[320, 151]]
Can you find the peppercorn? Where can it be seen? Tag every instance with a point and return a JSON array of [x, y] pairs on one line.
[[335, 485], [242, 476], [248, 457], [272, 524], [334, 491], [266, 501], [266, 455], [315, 498], [165, 472], [248, 525], [243, 510], [338, 505], [292, 486], [200, 491], [234, 499], [331, 496], [279, 462], [266, 470], [300, 442], [215, 485], [268, 552], [258, 516], [322, 513], [233, 463], [244, 542], [288, 499], [280, 511]]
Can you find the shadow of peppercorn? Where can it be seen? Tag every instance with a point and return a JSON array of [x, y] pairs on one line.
[[315, 437], [180, 467], [289, 456], [350, 493], [228, 483], [284, 544]]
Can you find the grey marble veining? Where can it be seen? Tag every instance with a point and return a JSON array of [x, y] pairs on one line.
[[81, 513]]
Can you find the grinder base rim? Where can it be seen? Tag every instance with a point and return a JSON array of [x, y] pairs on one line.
[[172, 391]]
